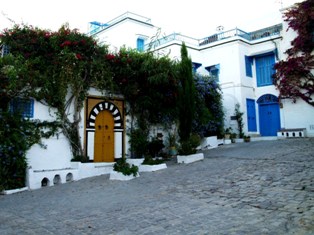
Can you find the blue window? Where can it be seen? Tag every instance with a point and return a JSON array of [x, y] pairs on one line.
[[140, 44], [213, 71], [248, 66], [25, 107], [4, 50], [195, 66], [265, 69]]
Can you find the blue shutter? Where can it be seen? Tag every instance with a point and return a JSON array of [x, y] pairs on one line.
[[265, 69], [140, 44], [195, 66], [214, 71], [248, 66], [251, 115]]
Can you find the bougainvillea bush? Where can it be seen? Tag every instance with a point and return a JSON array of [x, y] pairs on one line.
[[294, 76], [55, 68]]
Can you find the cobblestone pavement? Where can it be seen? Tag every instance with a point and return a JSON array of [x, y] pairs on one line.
[[264, 187]]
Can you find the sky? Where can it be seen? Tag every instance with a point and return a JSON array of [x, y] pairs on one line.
[[196, 18]]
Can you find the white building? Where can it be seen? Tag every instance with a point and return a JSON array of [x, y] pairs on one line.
[[241, 61]]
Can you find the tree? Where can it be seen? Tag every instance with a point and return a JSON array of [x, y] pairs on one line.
[[294, 77], [187, 97]]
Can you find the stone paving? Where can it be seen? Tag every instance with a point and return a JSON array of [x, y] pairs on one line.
[[258, 188]]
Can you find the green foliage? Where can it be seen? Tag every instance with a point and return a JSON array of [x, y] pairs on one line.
[[80, 158], [209, 113], [190, 145], [55, 68], [155, 146], [147, 82], [294, 76], [152, 161], [186, 99], [125, 168], [17, 135], [138, 143], [239, 118]]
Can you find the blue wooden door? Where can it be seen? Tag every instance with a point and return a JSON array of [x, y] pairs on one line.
[[251, 115], [269, 119]]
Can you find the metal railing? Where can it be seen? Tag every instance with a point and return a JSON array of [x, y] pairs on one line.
[[171, 37], [255, 35]]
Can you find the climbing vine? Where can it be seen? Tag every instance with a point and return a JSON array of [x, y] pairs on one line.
[[56, 69]]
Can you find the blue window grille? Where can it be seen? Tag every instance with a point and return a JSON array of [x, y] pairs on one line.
[[140, 44], [265, 69], [25, 107], [213, 71], [248, 66]]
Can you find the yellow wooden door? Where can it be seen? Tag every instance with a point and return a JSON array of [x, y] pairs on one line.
[[104, 137]]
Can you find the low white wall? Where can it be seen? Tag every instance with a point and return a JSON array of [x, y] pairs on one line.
[[41, 178], [37, 179]]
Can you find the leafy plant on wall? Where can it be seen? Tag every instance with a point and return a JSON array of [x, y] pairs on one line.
[[209, 113], [17, 135], [149, 86], [56, 69], [294, 76]]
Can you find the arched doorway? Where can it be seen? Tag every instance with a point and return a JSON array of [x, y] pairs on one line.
[[269, 115], [105, 124], [104, 137]]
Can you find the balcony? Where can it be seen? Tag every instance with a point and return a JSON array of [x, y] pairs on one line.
[[169, 38], [255, 35]]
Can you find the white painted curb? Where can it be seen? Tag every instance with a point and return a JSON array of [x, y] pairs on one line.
[[190, 158], [115, 175], [151, 168]]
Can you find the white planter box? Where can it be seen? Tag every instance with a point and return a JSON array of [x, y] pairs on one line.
[[115, 175], [209, 142], [190, 158], [227, 141], [151, 168], [135, 161]]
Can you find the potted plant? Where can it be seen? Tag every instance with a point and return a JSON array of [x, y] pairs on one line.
[[122, 170], [172, 144], [247, 138], [233, 136], [228, 132]]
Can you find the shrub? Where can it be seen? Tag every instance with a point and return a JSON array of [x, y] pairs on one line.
[[189, 146], [125, 168]]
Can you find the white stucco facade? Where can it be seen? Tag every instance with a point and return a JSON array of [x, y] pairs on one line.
[[52, 165], [228, 50]]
